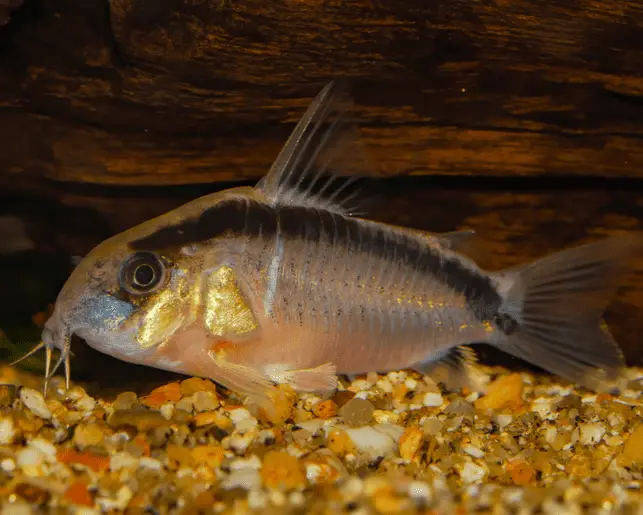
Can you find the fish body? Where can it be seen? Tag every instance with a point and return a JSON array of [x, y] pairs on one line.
[[277, 284]]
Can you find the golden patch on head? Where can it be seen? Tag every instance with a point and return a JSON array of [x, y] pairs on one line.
[[162, 293]]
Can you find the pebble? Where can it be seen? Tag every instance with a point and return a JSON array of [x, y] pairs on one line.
[[8, 431], [257, 499], [432, 399], [410, 442], [238, 414], [205, 401], [196, 384], [8, 465], [471, 473], [44, 446], [86, 435], [30, 461], [325, 409], [35, 402], [375, 441], [633, 448], [432, 426], [246, 478], [357, 412], [122, 460], [419, 490], [150, 463], [125, 401], [504, 392], [472, 450], [17, 508], [85, 404], [143, 420], [282, 470], [591, 434]]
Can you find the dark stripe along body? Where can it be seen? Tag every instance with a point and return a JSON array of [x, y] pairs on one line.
[[239, 217]]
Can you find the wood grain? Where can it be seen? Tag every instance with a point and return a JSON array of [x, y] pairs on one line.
[[191, 91]]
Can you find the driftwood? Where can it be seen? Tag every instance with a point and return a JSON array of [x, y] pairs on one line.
[[113, 112], [183, 91]]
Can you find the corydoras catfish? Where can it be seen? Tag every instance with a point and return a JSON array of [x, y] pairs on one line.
[[282, 283]]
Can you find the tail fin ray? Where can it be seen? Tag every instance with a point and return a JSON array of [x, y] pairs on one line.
[[558, 303]]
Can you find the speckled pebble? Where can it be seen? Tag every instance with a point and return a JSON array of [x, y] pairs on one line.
[[35, 402]]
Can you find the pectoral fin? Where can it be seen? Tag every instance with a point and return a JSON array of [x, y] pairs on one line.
[[243, 379], [321, 379]]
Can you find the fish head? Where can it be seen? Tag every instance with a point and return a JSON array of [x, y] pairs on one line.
[[124, 301]]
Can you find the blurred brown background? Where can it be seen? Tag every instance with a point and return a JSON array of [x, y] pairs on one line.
[[522, 119]]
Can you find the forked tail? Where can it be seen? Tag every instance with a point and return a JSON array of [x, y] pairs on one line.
[[558, 304]]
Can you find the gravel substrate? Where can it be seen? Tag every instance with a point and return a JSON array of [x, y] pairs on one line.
[[382, 444]]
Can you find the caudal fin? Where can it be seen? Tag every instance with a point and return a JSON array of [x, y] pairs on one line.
[[558, 303]]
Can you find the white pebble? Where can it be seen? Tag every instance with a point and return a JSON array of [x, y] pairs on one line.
[[359, 385], [503, 420], [150, 463], [432, 399], [411, 383], [256, 499], [246, 478], [35, 402], [253, 462], [30, 460], [385, 385], [353, 487], [7, 431], [296, 498], [44, 446], [85, 403], [238, 414], [472, 450], [471, 473], [591, 434], [246, 424], [8, 465], [419, 490], [240, 442], [167, 410], [122, 460], [375, 441], [277, 497], [396, 377], [120, 502]]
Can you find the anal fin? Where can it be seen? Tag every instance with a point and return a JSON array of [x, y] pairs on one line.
[[455, 367]]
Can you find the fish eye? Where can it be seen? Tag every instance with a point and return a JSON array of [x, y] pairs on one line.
[[141, 273]]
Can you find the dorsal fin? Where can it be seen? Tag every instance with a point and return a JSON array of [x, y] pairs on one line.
[[324, 145]]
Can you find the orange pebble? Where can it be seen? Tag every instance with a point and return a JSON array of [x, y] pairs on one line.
[[325, 409], [504, 392], [93, 461], [163, 394], [280, 469], [77, 493], [521, 472]]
